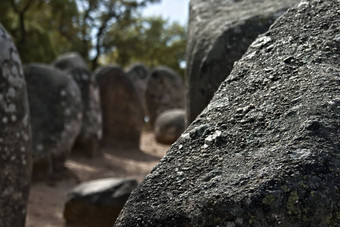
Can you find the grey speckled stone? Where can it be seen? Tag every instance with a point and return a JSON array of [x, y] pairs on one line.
[[220, 32], [15, 136], [164, 91], [266, 150], [88, 140], [56, 116], [121, 108]]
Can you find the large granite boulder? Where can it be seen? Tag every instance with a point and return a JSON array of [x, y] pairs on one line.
[[169, 126], [165, 90], [56, 115], [98, 202], [121, 108], [220, 32], [138, 74], [88, 140], [15, 136], [70, 60], [265, 152]]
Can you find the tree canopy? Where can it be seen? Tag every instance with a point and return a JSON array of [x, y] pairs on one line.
[[100, 30]]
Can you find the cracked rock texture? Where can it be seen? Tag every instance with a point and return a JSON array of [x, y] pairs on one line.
[[56, 116], [15, 136], [266, 150], [88, 140], [220, 32]]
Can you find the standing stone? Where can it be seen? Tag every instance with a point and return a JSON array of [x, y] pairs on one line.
[[98, 202], [169, 126], [88, 140], [138, 74], [15, 149], [265, 152], [165, 90], [220, 32], [69, 61], [55, 107], [121, 108]]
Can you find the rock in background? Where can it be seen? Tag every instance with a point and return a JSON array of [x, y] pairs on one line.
[[69, 61], [56, 115], [265, 152], [169, 126], [165, 90], [98, 202], [88, 140], [121, 108], [138, 74], [15, 136], [220, 32]]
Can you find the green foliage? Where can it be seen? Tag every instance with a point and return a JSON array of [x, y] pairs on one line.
[[98, 29], [152, 41]]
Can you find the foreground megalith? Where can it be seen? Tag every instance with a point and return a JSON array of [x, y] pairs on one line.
[[121, 108], [220, 32], [15, 136], [265, 152], [56, 115], [88, 140]]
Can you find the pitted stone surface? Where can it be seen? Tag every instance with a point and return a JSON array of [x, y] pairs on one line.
[[56, 116], [165, 90], [121, 108], [220, 32], [15, 136], [88, 140], [266, 150]]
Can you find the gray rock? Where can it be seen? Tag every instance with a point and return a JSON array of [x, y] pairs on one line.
[[138, 74], [265, 152], [69, 61], [220, 32], [15, 136], [97, 203], [169, 126], [56, 115], [88, 140], [165, 90], [121, 108]]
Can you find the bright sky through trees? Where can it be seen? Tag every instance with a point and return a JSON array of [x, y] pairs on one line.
[[174, 10]]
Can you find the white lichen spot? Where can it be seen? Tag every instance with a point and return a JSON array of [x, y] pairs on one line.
[[4, 120], [13, 118], [14, 70], [25, 136], [17, 135], [11, 92], [261, 41], [185, 136], [180, 147], [22, 148], [11, 108], [337, 38], [63, 93], [12, 158], [250, 55], [300, 154], [67, 112], [40, 147], [25, 120], [211, 138]]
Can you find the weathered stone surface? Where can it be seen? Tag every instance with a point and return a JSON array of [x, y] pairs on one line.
[[138, 74], [88, 140], [266, 150], [121, 108], [169, 126], [98, 203], [15, 136], [56, 115], [220, 32], [165, 90], [69, 61]]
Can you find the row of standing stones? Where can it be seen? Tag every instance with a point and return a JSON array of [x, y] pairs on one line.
[[266, 149], [48, 110]]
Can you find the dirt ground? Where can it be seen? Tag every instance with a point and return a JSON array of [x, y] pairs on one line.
[[46, 200]]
